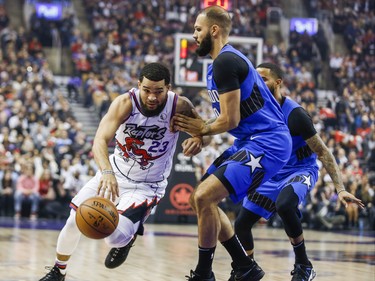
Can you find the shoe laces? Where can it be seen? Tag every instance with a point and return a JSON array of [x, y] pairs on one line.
[[192, 274], [301, 271], [116, 251], [53, 270]]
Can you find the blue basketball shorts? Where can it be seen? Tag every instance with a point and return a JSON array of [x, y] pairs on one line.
[[249, 163], [262, 200]]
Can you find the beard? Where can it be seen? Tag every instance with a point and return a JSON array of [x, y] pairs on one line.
[[272, 89], [205, 46], [152, 112]]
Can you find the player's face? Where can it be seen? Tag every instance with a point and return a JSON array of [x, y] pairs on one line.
[[270, 81], [153, 96], [202, 36]]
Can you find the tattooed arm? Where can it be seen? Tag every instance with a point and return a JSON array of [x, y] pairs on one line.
[[300, 123], [329, 162]]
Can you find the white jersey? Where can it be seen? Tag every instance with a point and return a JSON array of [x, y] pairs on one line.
[[145, 145]]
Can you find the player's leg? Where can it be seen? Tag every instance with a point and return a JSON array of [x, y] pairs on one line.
[[135, 204], [258, 203], [205, 200], [252, 166], [243, 226], [120, 241], [287, 207], [69, 236], [213, 223]]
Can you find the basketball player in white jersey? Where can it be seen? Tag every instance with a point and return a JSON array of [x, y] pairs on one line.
[[135, 175]]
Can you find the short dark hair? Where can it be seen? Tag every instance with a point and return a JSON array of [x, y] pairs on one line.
[[218, 15], [274, 68], [155, 72]]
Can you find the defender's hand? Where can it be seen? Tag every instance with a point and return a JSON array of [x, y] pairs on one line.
[[193, 126], [346, 197], [192, 146]]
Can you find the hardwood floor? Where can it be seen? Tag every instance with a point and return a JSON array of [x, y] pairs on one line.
[[168, 252]]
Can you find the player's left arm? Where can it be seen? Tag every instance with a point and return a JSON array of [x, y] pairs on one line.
[[306, 129], [193, 145]]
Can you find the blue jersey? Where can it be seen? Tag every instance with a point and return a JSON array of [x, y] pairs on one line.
[[260, 112], [302, 156]]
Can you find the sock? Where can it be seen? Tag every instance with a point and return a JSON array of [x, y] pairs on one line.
[[236, 251], [300, 253], [61, 265], [204, 266]]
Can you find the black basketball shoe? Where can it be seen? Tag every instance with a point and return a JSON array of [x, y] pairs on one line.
[[252, 272], [117, 256], [53, 275], [196, 277], [303, 272]]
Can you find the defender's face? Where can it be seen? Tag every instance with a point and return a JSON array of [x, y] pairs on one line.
[[153, 96], [202, 36]]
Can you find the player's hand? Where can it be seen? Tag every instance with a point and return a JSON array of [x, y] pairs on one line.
[[194, 126], [192, 146], [108, 187], [346, 198]]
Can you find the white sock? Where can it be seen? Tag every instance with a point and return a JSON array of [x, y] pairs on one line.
[[61, 265]]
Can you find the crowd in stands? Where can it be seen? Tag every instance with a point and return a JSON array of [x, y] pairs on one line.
[[107, 61], [44, 154]]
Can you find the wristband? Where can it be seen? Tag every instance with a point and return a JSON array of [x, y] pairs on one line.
[[338, 192], [108, 172]]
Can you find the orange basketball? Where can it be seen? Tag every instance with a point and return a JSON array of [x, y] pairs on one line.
[[97, 217]]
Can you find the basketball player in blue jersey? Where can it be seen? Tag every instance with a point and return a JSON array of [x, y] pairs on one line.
[[285, 191], [135, 175], [246, 109]]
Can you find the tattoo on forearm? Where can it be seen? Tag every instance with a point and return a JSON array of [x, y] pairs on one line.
[[325, 156], [332, 168]]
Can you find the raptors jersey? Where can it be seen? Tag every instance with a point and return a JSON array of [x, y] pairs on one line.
[[145, 145]]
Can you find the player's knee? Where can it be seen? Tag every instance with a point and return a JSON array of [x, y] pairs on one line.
[[240, 226], [199, 200], [282, 207], [192, 202], [123, 234], [286, 201]]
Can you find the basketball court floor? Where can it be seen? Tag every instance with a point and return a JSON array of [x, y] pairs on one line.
[[168, 252]]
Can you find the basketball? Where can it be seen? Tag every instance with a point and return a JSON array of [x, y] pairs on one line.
[[97, 217]]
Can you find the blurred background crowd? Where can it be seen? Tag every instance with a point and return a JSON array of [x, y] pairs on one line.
[[45, 152]]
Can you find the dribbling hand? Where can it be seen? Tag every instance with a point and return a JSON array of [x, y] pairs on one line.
[[108, 187]]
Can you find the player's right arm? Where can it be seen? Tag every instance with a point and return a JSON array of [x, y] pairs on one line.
[[229, 70], [329, 162], [118, 111], [193, 145]]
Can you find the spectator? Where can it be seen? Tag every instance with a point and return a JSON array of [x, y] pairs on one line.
[[46, 192], [27, 189], [7, 193]]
